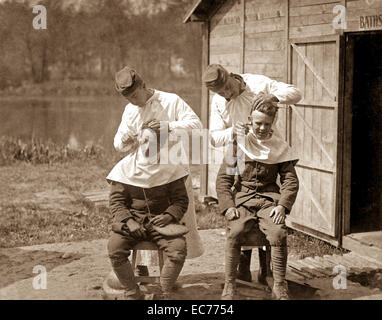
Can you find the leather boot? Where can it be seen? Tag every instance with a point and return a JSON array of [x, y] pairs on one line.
[[279, 261], [125, 274], [229, 291], [169, 275], [232, 257], [244, 271], [280, 291]]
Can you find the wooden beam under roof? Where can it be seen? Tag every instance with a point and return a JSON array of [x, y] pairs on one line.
[[202, 10], [192, 10]]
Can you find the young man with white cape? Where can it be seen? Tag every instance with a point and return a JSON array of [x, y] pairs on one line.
[[155, 168], [258, 159], [235, 95]]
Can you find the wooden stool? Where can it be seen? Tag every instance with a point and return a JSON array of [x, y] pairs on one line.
[[258, 240], [147, 245]]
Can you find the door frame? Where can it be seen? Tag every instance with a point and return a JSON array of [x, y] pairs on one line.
[[347, 79]]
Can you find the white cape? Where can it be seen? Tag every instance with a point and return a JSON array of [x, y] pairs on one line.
[[271, 151]]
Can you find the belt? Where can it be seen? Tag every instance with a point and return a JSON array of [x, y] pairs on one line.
[[256, 195], [246, 189]]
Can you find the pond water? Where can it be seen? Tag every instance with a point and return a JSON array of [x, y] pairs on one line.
[[76, 121]]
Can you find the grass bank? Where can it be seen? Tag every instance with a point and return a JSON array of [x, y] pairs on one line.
[[41, 197]]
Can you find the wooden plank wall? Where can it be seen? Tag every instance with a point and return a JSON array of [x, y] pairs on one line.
[[225, 48], [265, 44], [308, 18], [225, 36], [265, 38], [357, 8]]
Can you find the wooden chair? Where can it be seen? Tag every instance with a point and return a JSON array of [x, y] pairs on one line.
[[147, 245]]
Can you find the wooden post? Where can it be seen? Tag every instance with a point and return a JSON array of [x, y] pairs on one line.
[[288, 77], [340, 137], [347, 134], [242, 36], [286, 35], [205, 107]]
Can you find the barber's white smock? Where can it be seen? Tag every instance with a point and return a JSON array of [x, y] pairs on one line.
[[224, 114], [162, 106]]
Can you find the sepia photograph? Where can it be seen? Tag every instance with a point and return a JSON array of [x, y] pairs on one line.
[[191, 150]]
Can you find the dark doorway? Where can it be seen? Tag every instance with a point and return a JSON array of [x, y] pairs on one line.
[[366, 171]]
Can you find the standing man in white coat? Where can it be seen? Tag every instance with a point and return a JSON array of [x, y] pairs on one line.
[[235, 95]]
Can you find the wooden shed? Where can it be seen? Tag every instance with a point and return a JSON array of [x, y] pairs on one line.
[[332, 51]]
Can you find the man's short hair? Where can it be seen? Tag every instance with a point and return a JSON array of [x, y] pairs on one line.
[[268, 108]]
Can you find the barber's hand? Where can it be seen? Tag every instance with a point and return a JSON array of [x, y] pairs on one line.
[[239, 129], [232, 214], [155, 125], [152, 124], [162, 220], [278, 214], [262, 97], [135, 228], [128, 138]]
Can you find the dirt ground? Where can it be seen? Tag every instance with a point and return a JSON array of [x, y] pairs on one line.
[[77, 270]]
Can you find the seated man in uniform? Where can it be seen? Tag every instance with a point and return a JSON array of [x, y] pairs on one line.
[[147, 194], [258, 199]]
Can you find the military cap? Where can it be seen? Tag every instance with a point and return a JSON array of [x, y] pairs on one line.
[[215, 76], [127, 80]]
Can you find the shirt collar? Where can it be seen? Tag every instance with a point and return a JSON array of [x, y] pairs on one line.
[[152, 98], [243, 85]]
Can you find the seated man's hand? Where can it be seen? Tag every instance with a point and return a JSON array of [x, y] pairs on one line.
[[232, 214], [262, 97], [135, 228], [162, 220], [278, 214]]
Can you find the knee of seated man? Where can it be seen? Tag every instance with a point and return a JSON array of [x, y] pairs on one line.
[[233, 240], [177, 252], [177, 255], [116, 252], [118, 258], [277, 236]]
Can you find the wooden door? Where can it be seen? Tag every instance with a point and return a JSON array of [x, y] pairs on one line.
[[313, 132]]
